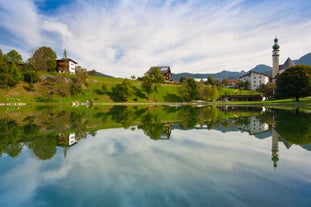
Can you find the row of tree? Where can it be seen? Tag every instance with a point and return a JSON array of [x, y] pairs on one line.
[[43, 59]]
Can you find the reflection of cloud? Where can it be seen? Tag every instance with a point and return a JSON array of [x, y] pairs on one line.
[[122, 38], [126, 168]]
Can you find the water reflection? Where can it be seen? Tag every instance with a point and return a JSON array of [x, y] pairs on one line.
[[47, 129], [154, 156]]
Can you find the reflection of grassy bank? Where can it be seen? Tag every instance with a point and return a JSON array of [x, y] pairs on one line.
[[39, 126], [304, 103]]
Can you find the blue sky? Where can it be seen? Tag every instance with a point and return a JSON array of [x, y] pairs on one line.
[[126, 37]]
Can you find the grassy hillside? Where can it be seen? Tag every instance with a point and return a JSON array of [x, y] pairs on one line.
[[94, 91]]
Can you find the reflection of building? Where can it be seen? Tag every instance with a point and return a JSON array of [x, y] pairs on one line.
[[276, 138], [166, 132], [67, 140], [72, 139], [275, 147], [255, 126]]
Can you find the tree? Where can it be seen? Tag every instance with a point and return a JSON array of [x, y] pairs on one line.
[[156, 77], [30, 75], [294, 82], [147, 85], [211, 92], [124, 90], [44, 59], [14, 57], [189, 89], [10, 75], [201, 88], [268, 89], [210, 80], [225, 82], [79, 82]]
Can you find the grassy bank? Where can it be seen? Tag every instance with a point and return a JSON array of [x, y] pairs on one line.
[[98, 90]]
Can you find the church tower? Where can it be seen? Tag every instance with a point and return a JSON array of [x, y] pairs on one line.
[[275, 58]]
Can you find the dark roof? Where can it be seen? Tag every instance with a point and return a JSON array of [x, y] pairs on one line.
[[67, 59], [288, 63], [163, 69]]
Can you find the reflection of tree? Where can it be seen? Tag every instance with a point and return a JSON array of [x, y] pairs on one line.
[[123, 115], [153, 127], [44, 147], [10, 136], [294, 126], [188, 117], [30, 128]]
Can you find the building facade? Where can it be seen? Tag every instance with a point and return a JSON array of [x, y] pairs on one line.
[[255, 79], [66, 65]]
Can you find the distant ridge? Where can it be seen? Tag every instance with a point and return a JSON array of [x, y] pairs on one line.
[[261, 68], [305, 60], [96, 73]]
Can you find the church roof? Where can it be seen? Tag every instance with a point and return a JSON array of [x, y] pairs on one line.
[[288, 63]]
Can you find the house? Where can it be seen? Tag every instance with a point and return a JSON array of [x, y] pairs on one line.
[[66, 65], [165, 71], [255, 79]]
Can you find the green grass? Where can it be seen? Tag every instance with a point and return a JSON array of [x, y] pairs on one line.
[[167, 93]]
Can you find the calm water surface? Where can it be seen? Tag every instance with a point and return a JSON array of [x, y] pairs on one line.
[[237, 161]]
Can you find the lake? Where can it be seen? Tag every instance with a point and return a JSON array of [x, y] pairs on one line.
[[154, 156]]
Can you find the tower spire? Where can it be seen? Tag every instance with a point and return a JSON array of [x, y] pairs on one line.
[[275, 58]]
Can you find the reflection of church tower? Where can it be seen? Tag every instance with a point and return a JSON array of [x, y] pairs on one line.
[[275, 147], [275, 58]]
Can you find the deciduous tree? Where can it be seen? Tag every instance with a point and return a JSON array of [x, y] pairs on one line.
[[189, 89], [294, 82], [124, 90], [14, 57], [44, 59], [156, 77]]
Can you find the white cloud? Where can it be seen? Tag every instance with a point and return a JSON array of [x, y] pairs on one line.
[[127, 37], [20, 18]]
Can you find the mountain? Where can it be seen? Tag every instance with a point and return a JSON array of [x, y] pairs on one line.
[[96, 73], [221, 75], [261, 68], [305, 60], [265, 69]]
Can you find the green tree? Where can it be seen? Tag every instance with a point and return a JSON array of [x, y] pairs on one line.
[[201, 87], [124, 90], [210, 80], [44, 147], [10, 74], [14, 57], [294, 82], [269, 89], [189, 89], [147, 85], [30, 75], [156, 77], [44, 59], [211, 92]]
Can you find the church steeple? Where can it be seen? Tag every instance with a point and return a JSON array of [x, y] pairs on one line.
[[275, 58]]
